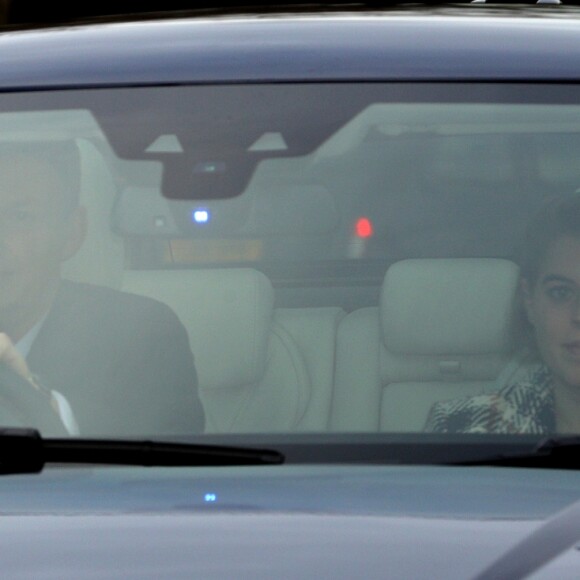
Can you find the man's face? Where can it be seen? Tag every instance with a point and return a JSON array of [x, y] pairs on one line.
[[36, 234]]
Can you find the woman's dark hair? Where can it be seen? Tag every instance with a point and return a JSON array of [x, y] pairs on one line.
[[558, 217]]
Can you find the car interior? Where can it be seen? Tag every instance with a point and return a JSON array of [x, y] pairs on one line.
[[345, 288]]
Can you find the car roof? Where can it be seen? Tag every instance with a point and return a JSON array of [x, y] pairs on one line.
[[470, 44]]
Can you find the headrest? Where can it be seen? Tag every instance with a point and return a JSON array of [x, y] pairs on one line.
[[227, 314], [448, 306]]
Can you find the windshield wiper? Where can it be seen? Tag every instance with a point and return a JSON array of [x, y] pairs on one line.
[[552, 453], [25, 451]]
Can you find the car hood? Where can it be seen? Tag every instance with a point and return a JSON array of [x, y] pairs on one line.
[[284, 522]]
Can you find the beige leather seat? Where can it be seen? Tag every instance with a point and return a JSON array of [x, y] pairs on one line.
[[441, 331], [257, 370]]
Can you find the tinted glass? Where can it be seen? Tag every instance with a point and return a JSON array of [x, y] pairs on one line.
[[292, 258]]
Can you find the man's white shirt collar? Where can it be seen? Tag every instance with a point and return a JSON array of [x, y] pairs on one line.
[[65, 411], [24, 345]]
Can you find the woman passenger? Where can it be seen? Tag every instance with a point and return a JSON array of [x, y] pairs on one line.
[[547, 399]]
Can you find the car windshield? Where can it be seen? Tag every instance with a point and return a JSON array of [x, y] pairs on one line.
[[291, 258]]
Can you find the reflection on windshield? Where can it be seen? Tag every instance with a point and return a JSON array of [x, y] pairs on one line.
[[378, 259]]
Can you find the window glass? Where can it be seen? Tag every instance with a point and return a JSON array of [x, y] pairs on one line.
[[337, 257]]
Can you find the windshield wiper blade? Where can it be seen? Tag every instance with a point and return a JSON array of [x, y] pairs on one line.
[[559, 452], [25, 451]]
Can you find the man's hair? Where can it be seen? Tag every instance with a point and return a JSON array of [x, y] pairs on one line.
[[62, 156]]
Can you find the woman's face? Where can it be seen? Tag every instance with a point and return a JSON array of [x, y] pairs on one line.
[[553, 308]]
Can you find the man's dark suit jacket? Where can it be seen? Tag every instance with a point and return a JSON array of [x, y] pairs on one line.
[[122, 361]]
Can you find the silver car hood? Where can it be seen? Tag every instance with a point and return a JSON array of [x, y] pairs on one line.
[[277, 522]]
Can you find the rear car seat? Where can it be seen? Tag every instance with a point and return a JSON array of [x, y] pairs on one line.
[[258, 370], [441, 331]]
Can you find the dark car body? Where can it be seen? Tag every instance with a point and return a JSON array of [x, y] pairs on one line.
[[316, 46]]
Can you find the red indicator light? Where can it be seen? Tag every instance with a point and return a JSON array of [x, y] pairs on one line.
[[363, 227]]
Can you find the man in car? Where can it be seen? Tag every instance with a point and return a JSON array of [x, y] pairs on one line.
[[106, 362]]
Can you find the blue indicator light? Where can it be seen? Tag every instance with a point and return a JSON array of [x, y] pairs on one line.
[[210, 497], [200, 216]]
